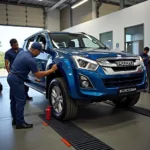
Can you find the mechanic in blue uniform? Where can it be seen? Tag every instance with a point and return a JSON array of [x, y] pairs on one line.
[[10, 56], [23, 64], [145, 58]]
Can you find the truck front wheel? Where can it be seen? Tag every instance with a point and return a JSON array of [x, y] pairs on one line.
[[64, 108], [127, 101]]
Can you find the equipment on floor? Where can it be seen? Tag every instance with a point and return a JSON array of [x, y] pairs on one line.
[[48, 113]]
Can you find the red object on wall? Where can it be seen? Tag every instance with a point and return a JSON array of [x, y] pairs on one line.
[[48, 113]]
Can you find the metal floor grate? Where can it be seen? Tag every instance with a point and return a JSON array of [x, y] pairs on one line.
[[80, 139]]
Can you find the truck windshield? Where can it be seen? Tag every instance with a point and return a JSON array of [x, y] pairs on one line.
[[69, 40]]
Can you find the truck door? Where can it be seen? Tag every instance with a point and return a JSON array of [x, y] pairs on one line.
[[43, 57], [26, 47]]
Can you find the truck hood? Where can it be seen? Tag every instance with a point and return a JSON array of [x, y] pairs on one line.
[[98, 53]]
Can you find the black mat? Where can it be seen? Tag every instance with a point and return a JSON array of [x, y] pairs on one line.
[[140, 110], [80, 139], [136, 109]]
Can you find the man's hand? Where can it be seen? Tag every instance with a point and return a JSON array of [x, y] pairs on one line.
[[41, 74], [54, 68]]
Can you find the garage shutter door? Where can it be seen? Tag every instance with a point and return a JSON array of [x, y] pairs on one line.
[[35, 17], [21, 16], [3, 14]]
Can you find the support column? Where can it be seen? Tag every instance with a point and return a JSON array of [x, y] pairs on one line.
[[93, 9], [70, 11], [121, 4]]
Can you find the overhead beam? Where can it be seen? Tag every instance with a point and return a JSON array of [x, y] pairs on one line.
[[57, 5], [26, 2], [14, 3], [53, 1], [115, 3], [19, 2]]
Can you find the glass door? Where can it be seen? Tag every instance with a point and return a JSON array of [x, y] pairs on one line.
[[134, 39], [107, 39]]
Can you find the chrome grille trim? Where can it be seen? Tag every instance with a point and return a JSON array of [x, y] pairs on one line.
[[109, 63], [110, 71], [118, 58]]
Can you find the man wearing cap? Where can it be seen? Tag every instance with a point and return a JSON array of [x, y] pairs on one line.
[[23, 64], [10, 56]]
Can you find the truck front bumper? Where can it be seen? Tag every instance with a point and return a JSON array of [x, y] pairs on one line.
[[104, 87]]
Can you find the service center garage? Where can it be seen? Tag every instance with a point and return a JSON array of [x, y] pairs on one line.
[[74, 74]]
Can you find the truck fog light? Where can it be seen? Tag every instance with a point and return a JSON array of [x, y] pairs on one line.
[[85, 82], [83, 78]]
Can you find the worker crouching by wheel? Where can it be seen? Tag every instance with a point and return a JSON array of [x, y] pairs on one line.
[[23, 64]]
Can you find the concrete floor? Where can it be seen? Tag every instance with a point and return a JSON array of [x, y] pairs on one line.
[[120, 129]]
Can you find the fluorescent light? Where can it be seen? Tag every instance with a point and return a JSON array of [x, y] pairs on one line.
[[78, 4]]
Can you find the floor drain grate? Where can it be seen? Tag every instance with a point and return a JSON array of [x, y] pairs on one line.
[[80, 139]]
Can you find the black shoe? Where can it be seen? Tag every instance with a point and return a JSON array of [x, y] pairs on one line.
[[14, 122], [29, 98], [24, 126]]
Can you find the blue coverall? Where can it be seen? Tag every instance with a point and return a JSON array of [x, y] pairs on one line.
[[146, 60], [11, 55], [23, 64]]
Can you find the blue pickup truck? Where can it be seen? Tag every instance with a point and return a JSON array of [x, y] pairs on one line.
[[87, 72]]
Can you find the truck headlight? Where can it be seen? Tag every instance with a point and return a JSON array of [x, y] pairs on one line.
[[142, 63], [85, 63]]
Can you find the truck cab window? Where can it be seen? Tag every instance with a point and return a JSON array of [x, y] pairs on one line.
[[41, 39]]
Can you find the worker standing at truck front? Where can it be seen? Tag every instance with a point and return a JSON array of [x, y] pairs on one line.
[[10, 56], [23, 64], [145, 58]]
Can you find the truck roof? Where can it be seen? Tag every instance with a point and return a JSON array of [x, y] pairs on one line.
[[47, 31], [44, 31]]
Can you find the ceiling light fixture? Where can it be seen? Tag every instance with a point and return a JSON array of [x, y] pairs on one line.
[[78, 4]]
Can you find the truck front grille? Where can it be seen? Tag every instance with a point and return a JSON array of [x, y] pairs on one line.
[[120, 65], [131, 68], [123, 82]]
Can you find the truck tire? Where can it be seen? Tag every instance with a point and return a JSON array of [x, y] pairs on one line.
[[127, 101], [64, 108]]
